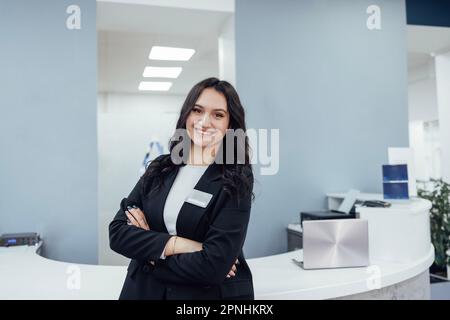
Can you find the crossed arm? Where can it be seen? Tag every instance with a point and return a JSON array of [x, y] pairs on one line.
[[207, 263], [175, 244]]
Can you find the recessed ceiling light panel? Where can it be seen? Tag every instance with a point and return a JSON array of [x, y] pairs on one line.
[[170, 53], [154, 86], [162, 72]]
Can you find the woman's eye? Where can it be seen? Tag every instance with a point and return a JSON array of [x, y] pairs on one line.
[[219, 115], [196, 110]]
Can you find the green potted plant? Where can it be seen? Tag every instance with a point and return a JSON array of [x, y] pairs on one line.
[[439, 196]]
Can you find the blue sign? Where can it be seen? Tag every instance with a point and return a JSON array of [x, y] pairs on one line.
[[395, 182]]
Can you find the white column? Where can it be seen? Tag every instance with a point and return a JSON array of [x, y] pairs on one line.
[[227, 60], [442, 62], [417, 144]]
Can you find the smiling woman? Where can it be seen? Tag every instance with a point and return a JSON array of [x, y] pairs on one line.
[[184, 224], [206, 125]]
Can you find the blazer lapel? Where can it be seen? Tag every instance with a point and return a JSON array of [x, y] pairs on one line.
[[190, 215], [155, 201]]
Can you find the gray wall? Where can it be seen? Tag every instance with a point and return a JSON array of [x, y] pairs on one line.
[[48, 136], [336, 90]]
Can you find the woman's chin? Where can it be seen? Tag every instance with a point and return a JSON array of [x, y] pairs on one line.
[[203, 143]]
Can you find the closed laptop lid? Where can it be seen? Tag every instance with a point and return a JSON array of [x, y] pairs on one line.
[[335, 243]]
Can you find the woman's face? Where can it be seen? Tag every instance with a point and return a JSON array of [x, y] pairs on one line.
[[209, 119]]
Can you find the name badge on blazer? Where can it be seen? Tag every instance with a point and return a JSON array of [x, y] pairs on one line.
[[199, 198]]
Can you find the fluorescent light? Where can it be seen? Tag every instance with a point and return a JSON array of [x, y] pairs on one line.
[[169, 53], [162, 72], [154, 86]]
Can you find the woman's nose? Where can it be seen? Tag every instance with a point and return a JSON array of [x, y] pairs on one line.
[[205, 120]]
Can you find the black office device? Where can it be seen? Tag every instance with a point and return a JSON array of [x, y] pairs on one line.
[[19, 239], [326, 215], [376, 204], [345, 211]]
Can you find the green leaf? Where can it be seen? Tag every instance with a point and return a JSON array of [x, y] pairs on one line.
[[439, 219]]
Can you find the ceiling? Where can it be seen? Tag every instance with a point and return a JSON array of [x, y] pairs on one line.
[[126, 33], [423, 41]]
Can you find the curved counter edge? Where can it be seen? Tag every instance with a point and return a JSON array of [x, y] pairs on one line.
[[391, 273], [26, 275]]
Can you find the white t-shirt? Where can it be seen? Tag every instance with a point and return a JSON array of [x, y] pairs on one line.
[[184, 183]]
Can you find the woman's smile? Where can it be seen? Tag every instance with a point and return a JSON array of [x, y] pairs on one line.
[[205, 132]]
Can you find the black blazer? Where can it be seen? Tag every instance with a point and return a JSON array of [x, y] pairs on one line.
[[221, 227]]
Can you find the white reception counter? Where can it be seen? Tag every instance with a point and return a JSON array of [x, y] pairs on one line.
[[400, 253]]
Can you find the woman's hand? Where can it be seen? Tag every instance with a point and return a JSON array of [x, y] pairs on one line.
[[233, 270], [137, 218]]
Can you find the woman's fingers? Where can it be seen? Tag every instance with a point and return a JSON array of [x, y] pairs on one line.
[[232, 272], [139, 217], [142, 219], [132, 219]]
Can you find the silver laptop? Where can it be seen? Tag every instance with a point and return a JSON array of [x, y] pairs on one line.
[[337, 243]]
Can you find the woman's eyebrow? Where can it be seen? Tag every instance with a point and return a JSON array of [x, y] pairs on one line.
[[218, 109]]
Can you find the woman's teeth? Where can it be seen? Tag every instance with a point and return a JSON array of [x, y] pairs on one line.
[[205, 132]]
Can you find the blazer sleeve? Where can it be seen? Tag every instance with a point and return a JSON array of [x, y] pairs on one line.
[[223, 243], [133, 242]]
